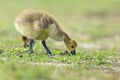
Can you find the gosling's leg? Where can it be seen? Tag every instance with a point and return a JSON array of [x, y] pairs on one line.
[[31, 42], [25, 41], [46, 48]]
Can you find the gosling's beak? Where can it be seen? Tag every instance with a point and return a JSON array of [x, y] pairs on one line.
[[73, 52]]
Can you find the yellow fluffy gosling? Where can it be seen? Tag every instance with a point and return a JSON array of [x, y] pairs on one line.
[[39, 25]]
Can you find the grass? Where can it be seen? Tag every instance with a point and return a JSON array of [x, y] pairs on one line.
[[93, 24], [16, 63]]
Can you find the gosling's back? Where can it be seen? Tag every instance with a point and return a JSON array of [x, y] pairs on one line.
[[37, 25]]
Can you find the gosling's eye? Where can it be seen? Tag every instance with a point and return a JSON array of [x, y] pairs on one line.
[[72, 46]]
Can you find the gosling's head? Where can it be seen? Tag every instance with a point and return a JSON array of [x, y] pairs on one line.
[[71, 46]]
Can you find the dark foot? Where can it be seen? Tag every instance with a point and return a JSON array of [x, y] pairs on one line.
[[31, 51]]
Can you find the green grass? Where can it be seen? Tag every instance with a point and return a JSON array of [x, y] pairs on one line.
[[93, 24], [16, 63]]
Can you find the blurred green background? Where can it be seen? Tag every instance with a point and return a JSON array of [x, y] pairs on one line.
[[86, 21], [94, 24]]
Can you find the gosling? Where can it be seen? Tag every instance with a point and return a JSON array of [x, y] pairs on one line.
[[39, 25]]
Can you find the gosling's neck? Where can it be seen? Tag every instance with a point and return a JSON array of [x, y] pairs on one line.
[[66, 38]]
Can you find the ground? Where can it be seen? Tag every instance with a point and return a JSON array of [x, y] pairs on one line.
[[93, 24]]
